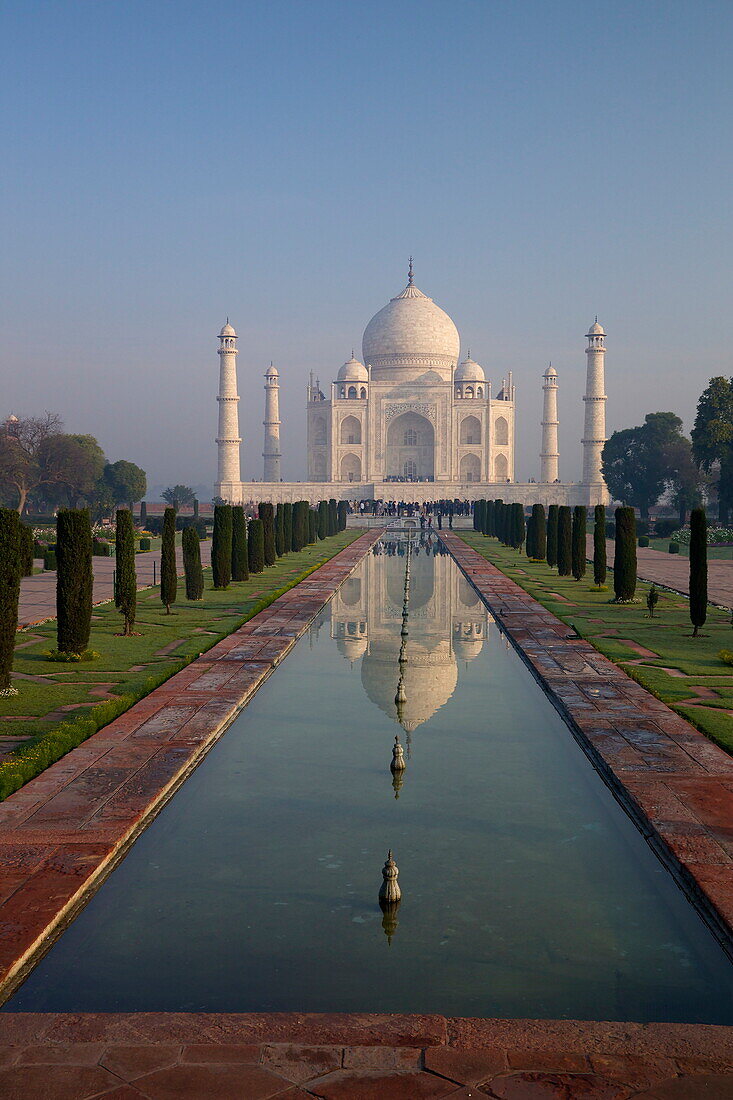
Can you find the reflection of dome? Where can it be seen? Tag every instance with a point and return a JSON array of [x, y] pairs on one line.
[[411, 331], [430, 679], [466, 649], [469, 371], [351, 648], [353, 371]]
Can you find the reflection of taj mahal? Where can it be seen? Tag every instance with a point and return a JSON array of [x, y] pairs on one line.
[[448, 624], [412, 413]]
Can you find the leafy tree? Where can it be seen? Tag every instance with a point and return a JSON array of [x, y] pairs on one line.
[[552, 518], [74, 580], [9, 594], [539, 532], [624, 558], [256, 546], [178, 496], [168, 571], [240, 567], [280, 530], [221, 546], [636, 460], [192, 564], [599, 545], [267, 515], [698, 569], [712, 438], [125, 575], [578, 542], [127, 482]]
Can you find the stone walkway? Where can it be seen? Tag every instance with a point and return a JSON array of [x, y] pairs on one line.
[[673, 571], [676, 783], [161, 1056], [67, 827], [38, 593]]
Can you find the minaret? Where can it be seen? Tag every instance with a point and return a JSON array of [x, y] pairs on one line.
[[594, 435], [271, 453], [228, 436], [550, 455]]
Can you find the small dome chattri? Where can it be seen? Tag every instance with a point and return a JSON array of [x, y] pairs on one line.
[[469, 371], [550, 372], [228, 330], [272, 371], [596, 329], [353, 371]]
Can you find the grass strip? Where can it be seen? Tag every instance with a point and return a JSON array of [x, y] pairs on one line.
[[130, 668], [698, 686]]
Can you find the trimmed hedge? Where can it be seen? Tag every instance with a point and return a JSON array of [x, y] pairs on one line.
[[240, 557], [287, 528], [643, 540], [168, 570], [698, 569], [125, 575], [578, 542], [192, 569], [564, 541], [221, 546], [26, 545], [266, 513], [624, 559], [600, 564], [279, 530], [256, 546], [552, 517], [9, 590], [674, 548]]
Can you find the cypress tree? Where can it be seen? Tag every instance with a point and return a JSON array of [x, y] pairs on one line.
[[599, 545], [698, 569], [239, 570], [322, 523], [578, 542], [221, 546], [195, 507], [624, 558], [26, 550], [192, 564], [552, 515], [256, 546], [477, 517], [490, 518], [540, 532], [517, 526], [312, 534], [342, 514], [499, 518], [303, 510], [125, 575], [529, 541], [279, 531], [168, 571], [9, 594], [267, 515], [143, 513], [564, 541], [74, 580], [332, 517], [287, 528]]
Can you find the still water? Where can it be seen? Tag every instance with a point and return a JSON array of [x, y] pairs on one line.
[[526, 891]]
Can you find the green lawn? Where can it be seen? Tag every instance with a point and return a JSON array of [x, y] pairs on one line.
[[611, 627], [128, 668], [715, 553]]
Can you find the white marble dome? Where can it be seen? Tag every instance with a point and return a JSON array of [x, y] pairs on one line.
[[411, 331], [596, 329], [353, 371], [228, 330], [469, 371]]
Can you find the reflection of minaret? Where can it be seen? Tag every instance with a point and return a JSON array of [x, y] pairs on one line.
[[594, 435], [271, 453], [550, 455], [228, 440]]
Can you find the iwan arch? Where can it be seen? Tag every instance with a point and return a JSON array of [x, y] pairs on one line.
[[412, 420]]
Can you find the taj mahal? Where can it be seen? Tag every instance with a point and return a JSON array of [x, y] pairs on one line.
[[412, 421]]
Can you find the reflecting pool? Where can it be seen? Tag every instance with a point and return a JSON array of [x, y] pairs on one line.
[[526, 891]]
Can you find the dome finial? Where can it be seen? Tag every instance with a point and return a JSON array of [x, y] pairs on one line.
[[409, 274]]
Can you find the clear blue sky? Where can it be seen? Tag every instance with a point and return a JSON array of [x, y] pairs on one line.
[[165, 164]]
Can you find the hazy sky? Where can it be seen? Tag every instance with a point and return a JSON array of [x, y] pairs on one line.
[[165, 164]]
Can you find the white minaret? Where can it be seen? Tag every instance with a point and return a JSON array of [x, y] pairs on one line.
[[228, 436], [550, 455], [271, 453], [594, 435]]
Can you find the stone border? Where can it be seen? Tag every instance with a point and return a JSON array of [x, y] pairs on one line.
[[674, 782], [65, 830], [335, 1057]]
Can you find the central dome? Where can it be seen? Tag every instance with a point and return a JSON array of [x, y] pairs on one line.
[[409, 336]]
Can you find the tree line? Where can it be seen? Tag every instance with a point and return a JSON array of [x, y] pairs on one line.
[[43, 467]]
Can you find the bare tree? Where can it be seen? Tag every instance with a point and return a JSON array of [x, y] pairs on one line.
[[21, 444]]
